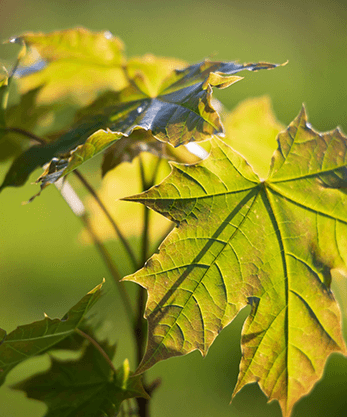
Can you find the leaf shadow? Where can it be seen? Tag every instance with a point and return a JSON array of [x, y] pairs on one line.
[[158, 313]]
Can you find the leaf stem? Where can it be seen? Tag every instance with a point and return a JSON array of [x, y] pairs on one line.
[[109, 217], [100, 349]]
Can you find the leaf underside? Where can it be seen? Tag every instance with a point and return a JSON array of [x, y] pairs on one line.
[[239, 240], [179, 111], [38, 337]]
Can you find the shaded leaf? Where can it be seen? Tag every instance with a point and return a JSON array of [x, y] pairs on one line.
[[58, 168], [180, 112], [83, 387], [38, 337], [25, 116], [3, 99], [38, 155], [271, 244], [74, 64], [128, 148], [177, 110]]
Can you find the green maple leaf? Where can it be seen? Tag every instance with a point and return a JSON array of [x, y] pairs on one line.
[[86, 387], [178, 110], [65, 62], [38, 337], [268, 243]]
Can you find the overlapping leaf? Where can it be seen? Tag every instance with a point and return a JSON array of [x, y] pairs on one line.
[[74, 64], [25, 116], [179, 111], [38, 337], [240, 240], [86, 387]]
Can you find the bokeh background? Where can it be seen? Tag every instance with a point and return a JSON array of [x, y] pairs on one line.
[[44, 266]]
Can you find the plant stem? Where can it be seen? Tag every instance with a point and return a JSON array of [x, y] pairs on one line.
[[108, 215], [112, 268], [89, 188], [96, 344], [140, 327], [71, 198]]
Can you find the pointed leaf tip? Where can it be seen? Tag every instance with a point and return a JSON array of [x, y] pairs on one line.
[[177, 112], [240, 238], [38, 337]]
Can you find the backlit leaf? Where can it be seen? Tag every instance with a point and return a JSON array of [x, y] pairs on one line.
[[251, 129], [241, 240], [86, 387], [38, 337], [74, 64]]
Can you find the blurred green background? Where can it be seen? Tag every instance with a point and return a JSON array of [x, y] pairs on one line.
[[43, 265]]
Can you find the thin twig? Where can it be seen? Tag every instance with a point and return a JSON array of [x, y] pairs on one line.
[[112, 268], [96, 344], [155, 171], [146, 214], [25, 133], [108, 215], [71, 198], [89, 188], [143, 403]]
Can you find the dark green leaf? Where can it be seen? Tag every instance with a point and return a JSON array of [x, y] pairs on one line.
[[180, 112], [80, 147], [86, 387], [179, 109], [240, 240], [38, 337], [128, 148], [21, 118]]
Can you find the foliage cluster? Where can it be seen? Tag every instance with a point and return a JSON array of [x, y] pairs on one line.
[[266, 234]]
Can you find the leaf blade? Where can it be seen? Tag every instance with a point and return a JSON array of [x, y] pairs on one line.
[[36, 338], [83, 387], [181, 112], [271, 244]]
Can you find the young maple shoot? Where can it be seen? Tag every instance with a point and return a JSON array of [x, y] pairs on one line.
[[270, 241]]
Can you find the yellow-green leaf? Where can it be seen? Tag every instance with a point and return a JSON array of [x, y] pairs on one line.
[[74, 64], [251, 129], [240, 240]]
